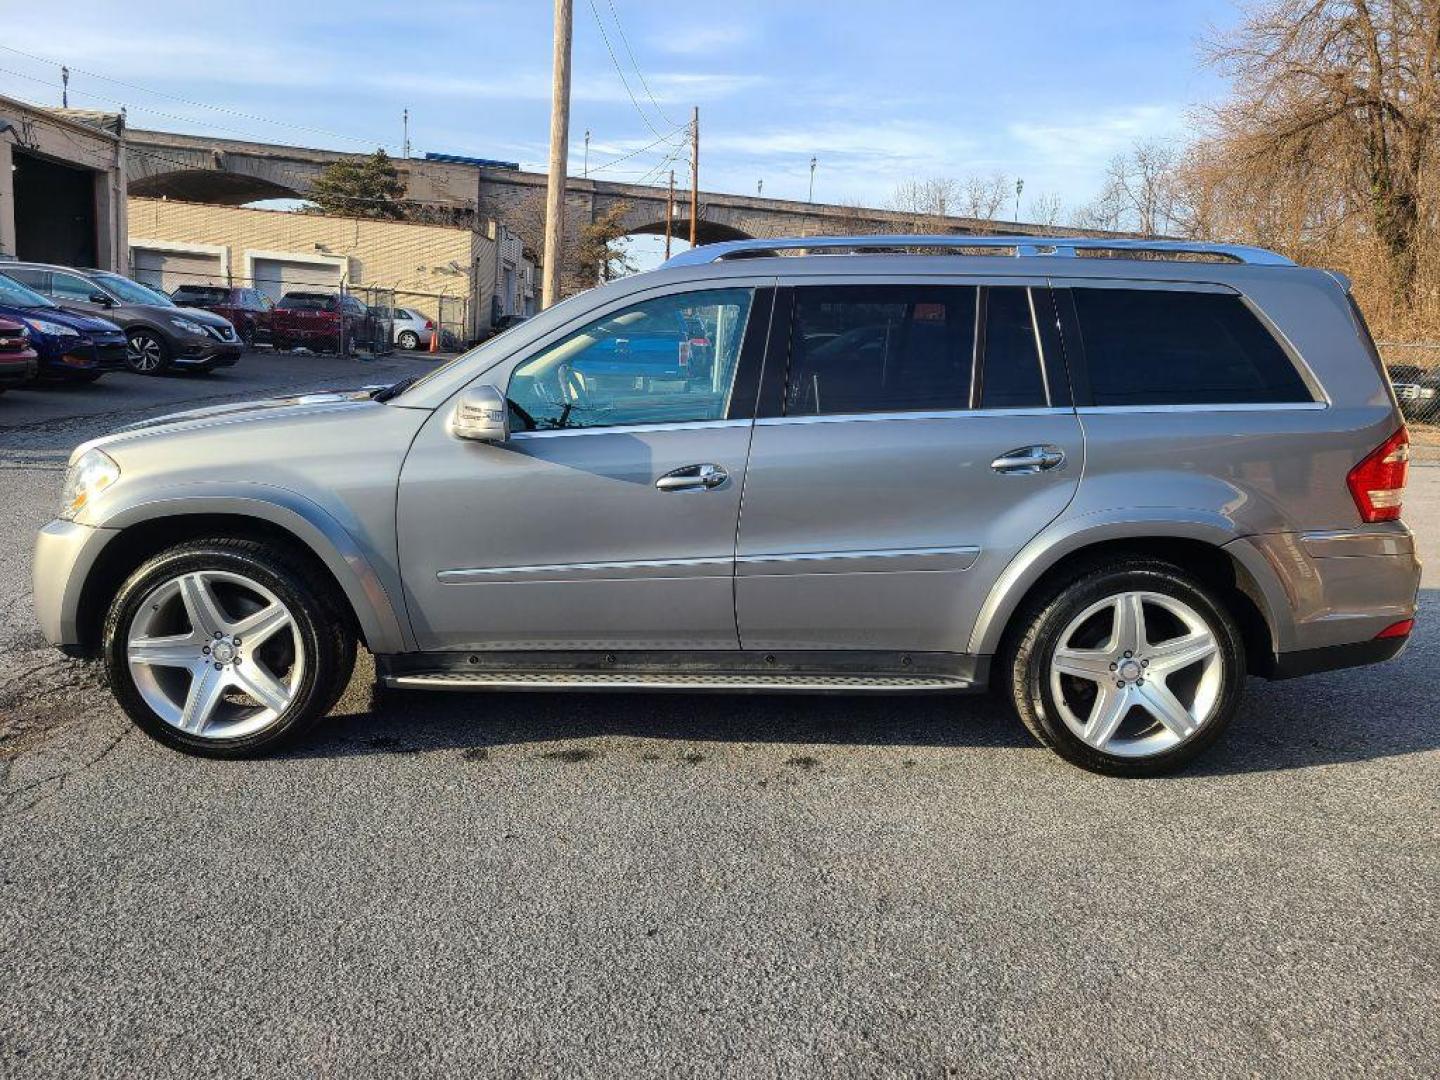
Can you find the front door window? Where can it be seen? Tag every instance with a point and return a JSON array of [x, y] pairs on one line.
[[667, 360]]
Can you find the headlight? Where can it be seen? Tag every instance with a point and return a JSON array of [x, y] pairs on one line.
[[188, 326], [54, 329], [85, 480]]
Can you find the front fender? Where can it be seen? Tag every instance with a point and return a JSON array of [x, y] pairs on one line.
[[1070, 534], [362, 574]]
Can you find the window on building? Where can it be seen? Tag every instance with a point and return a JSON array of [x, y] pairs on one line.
[[1171, 347]]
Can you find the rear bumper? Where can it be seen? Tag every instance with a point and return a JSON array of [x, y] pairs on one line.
[[1292, 665], [1341, 588]]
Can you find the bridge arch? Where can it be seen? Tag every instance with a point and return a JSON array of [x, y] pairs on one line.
[[210, 186], [709, 232]]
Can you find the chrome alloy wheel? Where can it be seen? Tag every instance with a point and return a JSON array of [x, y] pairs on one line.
[[215, 654], [143, 352], [1136, 674]]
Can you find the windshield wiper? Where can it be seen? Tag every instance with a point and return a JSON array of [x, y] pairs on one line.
[[385, 393]]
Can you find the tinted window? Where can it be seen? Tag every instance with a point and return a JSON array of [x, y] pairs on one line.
[[1164, 347], [306, 302], [70, 287], [882, 348], [199, 294], [1012, 378], [668, 360], [39, 280]]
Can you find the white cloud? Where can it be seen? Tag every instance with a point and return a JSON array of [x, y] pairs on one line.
[[701, 40]]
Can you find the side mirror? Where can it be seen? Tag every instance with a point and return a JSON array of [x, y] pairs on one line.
[[101, 299], [481, 414]]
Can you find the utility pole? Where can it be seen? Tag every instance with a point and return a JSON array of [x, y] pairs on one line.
[[585, 169], [405, 120], [760, 186], [559, 138], [64, 87], [811, 197], [1019, 187], [695, 176], [669, 213]]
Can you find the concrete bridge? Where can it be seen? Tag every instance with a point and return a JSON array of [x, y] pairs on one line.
[[202, 169]]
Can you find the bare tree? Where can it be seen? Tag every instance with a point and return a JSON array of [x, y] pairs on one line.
[[985, 195], [1140, 187], [1333, 129], [935, 197], [1047, 208]]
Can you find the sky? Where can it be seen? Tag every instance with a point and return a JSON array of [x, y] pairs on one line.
[[877, 91]]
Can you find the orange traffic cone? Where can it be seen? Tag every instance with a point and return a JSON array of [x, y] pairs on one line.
[[434, 341]]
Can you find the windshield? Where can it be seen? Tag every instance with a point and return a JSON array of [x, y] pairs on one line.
[[132, 292], [17, 295]]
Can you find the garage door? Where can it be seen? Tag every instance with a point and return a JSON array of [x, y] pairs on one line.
[[276, 277], [167, 270]]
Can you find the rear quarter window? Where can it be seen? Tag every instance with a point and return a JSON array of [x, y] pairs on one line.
[[1171, 347]]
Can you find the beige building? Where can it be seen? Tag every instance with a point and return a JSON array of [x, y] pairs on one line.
[[62, 185], [473, 276]]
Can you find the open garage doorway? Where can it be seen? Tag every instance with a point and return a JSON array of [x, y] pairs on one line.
[[54, 211]]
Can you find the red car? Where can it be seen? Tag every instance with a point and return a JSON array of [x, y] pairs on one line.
[[247, 309], [315, 320], [19, 363]]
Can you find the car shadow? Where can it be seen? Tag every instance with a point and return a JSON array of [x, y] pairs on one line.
[[1358, 715]]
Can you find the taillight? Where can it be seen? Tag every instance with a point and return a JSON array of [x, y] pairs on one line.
[[1399, 629], [429, 325], [1377, 484]]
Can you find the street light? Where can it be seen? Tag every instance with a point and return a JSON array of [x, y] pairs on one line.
[[811, 196]]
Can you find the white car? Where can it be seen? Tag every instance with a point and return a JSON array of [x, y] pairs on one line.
[[412, 329]]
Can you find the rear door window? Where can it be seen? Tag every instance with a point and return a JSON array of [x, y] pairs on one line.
[[881, 348], [1172, 347], [1012, 377]]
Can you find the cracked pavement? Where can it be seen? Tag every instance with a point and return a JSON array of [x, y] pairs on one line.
[[603, 885]]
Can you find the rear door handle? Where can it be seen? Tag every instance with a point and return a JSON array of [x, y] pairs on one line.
[[693, 478], [1029, 459]]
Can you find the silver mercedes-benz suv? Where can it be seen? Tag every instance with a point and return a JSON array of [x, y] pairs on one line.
[[1109, 478]]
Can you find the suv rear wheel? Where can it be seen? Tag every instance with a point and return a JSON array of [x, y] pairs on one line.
[[1130, 669], [225, 648]]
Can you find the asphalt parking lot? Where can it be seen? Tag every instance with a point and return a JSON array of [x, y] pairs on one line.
[[594, 885]]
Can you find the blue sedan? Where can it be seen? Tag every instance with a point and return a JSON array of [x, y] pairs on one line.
[[79, 348]]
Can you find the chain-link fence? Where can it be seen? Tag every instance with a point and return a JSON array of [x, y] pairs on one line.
[[1415, 374]]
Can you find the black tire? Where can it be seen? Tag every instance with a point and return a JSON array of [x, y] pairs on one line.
[[1025, 661], [146, 352], [408, 340], [321, 621]]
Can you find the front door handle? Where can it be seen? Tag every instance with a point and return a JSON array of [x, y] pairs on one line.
[[1029, 459], [693, 478]]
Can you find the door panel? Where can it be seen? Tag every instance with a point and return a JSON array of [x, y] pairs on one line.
[[562, 540], [604, 525], [887, 533], [884, 526]]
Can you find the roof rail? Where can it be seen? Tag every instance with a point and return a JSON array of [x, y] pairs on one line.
[[1021, 246]]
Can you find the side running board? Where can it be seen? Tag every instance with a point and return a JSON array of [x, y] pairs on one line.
[[687, 682]]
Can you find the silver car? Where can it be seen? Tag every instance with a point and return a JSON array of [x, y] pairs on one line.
[[1110, 487]]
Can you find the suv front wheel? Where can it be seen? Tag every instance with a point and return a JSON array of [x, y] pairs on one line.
[[225, 648], [1131, 669]]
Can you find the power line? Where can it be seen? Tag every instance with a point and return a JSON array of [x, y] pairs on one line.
[[183, 100], [636, 153], [619, 71], [630, 52]]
